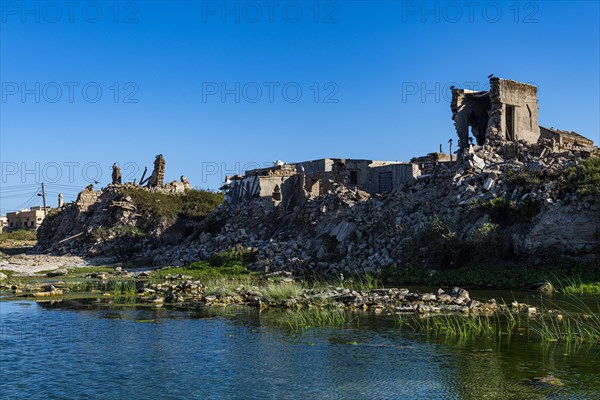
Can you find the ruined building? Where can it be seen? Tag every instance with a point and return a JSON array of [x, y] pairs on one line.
[[566, 139], [289, 184], [158, 173], [507, 111], [30, 218]]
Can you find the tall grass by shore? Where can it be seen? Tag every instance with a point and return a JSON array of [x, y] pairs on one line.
[[578, 286], [551, 324], [313, 318]]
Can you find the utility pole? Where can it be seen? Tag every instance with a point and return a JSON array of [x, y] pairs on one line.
[[44, 199]]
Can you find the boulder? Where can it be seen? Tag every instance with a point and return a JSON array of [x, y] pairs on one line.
[[57, 272]]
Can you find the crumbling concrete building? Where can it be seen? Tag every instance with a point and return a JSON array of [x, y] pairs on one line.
[[293, 183], [507, 111], [566, 140], [428, 163]]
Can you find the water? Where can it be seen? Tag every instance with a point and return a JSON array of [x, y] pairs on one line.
[[77, 350]]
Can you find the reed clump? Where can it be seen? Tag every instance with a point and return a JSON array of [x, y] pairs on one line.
[[547, 325], [314, 318]]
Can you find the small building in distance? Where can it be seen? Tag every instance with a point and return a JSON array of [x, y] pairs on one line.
[[3, 223], [29, 219]]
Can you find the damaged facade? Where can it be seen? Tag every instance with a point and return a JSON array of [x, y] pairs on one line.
[[509, 112], [566, 140], [290, 184]]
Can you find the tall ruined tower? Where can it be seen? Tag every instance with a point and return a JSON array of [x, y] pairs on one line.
[[508, 111], [157, 178]]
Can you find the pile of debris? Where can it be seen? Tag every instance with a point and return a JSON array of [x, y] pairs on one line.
[[505, 199], [512, 202]]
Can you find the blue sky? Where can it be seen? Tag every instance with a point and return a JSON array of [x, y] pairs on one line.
[[217, 88]]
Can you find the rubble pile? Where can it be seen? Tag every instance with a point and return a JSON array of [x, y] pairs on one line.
[[501, 200], [104, 222], [349, 231]]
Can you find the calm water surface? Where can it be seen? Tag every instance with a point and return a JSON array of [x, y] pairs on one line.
[[74, 350]]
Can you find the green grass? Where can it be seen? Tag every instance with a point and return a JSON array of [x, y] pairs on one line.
[[363, 282], [580, 326], [80, 271], [7, 272], [279, 291], [89, 270], [228, 264], [461, 326], [202, 270], [505, 276], [194, 204], [81, 286], [574, 285], [578, 329], [551, 325], [20, 235], [312, 318], [583, 288], [124, 288]]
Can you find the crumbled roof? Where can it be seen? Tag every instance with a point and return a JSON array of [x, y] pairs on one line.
[[573, 135]]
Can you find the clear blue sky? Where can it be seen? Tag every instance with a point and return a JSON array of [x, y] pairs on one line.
[[382, 69]]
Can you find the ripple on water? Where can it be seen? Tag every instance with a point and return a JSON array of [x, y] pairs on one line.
[[52, 351]]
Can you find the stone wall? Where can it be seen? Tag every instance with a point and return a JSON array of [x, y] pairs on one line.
[[507, 95]]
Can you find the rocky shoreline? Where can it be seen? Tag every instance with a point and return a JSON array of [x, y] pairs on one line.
[[389, 300], [290, 295]]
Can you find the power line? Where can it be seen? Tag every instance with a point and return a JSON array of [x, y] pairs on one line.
[[28, 201]]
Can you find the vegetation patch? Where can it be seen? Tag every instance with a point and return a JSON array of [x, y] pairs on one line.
[[438, 243], [231, 263], [193, 204], [463, 326], [280, 291], [7, 272], [313, 318], [561, 273], [79, 271], [505, 212], [529, 180], [575, 285], [20, 235], [551, 325], [588, 179]]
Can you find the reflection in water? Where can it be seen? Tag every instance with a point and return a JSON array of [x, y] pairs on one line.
[[84, 350]]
